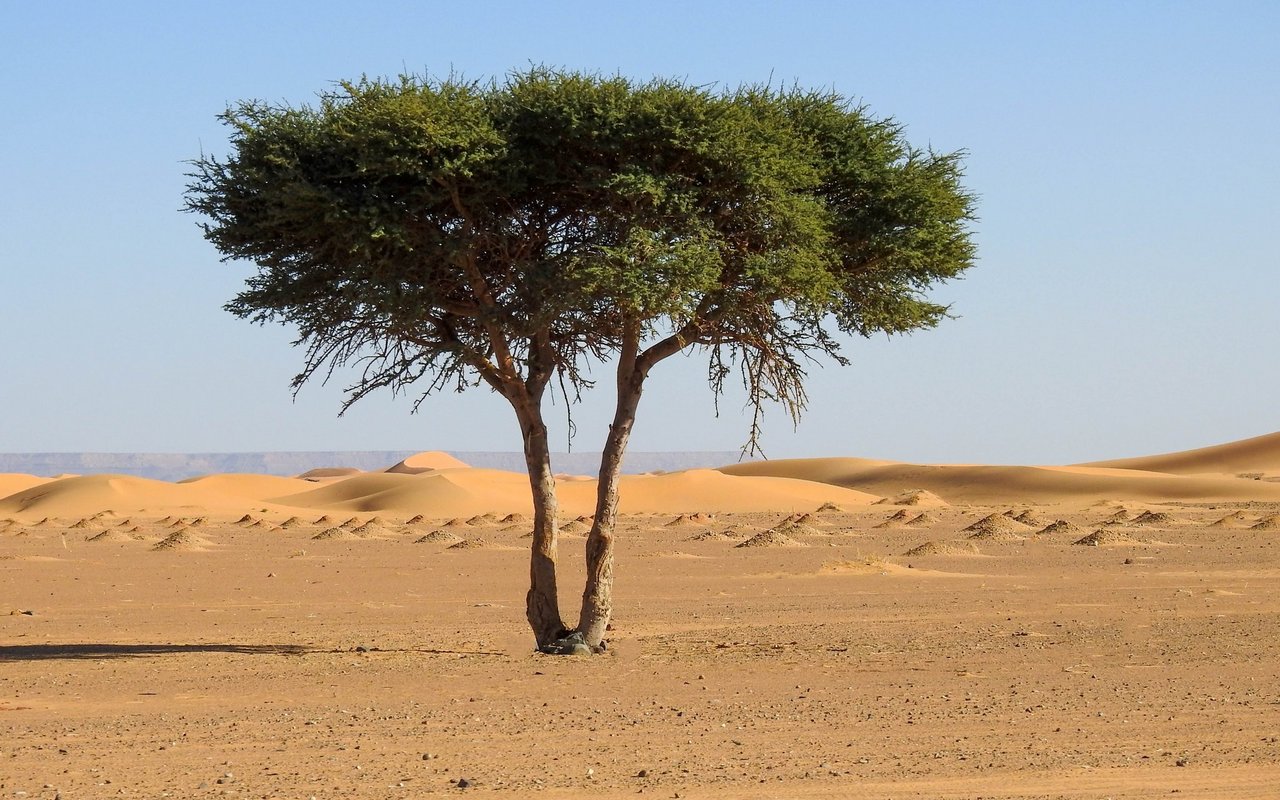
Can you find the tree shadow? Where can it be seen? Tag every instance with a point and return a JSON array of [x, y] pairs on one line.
[[49, 652]]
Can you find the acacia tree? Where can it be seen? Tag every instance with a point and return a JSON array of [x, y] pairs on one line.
[[447, 233]]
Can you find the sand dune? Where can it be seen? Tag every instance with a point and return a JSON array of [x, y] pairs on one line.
[[997, 484], [708, 490], [467, 492], [1261, 454], [426, 462], [438, 485], [90, 494], [253, 487], [13, 482]]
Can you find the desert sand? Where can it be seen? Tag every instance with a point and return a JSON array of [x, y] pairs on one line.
[[820, 628]]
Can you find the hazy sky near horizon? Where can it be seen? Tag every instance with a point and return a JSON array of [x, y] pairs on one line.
[[1125, 155]]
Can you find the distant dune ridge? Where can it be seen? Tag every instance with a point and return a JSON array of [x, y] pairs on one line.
[[178, 466], [442, 485], [1258, 457], [1245, 470]]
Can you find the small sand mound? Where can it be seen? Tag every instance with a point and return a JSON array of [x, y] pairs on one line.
[[1153, 519], [1102, 537], [1236, 519], [1119, 518], [804, 519], [336, 533], [1031, 519], [370, 528], [681, 521], [114, 535], [416, 520], [1271, 523], [324, 520], [292, 522], [436, 537], [82, 524], [913, 497], [483, 519], [351, 524], [1059, 527], [830, 507], [181, 540], [943, 549], [578, 526], [922, 521], [715, 536], [996, 536], [469, 544], [771, 538], [993, 525], [898, 519], [247, 519], [514, 519], [793, 528], [456, 522]]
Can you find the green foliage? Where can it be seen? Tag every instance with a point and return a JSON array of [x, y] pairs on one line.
[[456, 231]]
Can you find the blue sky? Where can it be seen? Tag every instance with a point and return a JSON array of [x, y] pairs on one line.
[[1125, 154]]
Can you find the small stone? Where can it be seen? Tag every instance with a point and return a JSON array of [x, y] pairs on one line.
[[463, 783], [1182, 762], [644, 773]]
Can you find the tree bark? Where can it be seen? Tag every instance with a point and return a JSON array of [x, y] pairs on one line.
[[542, 604], [597, 597]]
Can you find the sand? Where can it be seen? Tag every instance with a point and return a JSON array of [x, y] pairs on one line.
[[385, 660]]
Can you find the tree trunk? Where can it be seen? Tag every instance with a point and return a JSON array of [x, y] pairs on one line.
[[597, 598], [542, 604]]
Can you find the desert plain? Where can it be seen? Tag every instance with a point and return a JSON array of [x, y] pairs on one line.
[[820, 628]]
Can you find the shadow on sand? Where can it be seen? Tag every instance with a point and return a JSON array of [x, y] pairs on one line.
[[96, 652], [41, 652]]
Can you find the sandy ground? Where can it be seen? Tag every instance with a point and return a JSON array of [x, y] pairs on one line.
[[248, 659]]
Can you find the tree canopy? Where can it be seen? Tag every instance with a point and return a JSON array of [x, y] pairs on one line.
[[445, 232]]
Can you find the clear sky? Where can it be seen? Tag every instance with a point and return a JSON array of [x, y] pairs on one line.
[[1127, 157]]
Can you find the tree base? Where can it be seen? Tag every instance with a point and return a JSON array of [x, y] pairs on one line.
[[573, 644]]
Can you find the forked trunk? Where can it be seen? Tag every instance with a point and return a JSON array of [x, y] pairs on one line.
[[597, 598], [542, 605]]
